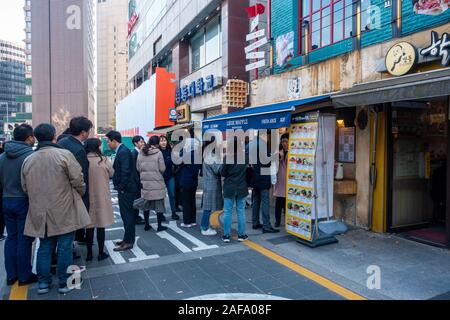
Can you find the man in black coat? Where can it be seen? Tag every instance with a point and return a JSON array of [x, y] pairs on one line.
[[80, 128], [126, 182], [139, 143]]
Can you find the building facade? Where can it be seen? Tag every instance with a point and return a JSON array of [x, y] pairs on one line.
[[27, 98], [12, 82], [201, 42], [112, 57], [384, 66], [63, 44]]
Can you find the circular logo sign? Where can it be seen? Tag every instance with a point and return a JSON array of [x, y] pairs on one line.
[[401, 58]]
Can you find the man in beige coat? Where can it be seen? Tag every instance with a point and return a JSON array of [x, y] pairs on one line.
[[53, 180]]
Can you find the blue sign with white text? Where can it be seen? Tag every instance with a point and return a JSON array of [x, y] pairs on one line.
[[196, 88]]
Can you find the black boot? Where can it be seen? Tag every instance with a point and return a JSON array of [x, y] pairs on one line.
[[147, 221], [175, 216], [160, 217], [89, 253]]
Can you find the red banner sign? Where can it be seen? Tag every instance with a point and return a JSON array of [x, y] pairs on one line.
[[132, 22]]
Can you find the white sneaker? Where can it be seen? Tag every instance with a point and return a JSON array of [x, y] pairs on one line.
[[209, 232], [193, 224], [185, 225]]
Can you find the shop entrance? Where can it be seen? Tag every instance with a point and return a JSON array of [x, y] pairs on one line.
[[417, 148]]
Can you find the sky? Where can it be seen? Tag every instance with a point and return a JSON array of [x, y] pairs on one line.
[[12, 21]]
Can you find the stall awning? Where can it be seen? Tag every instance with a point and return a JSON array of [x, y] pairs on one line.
[[410, 87], [167, 130], [271, 116]]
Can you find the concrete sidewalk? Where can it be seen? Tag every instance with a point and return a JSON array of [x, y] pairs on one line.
[[409, 270]]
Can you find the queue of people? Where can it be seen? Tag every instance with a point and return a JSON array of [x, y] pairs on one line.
[[58, 191]]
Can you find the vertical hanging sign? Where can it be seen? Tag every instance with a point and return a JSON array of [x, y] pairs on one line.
[[257, 36]]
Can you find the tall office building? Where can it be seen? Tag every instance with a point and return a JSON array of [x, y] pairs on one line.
[[112, 56], [63, 65], [26, 99], [12, 81]]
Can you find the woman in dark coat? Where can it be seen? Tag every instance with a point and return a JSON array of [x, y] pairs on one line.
[[189, 172]]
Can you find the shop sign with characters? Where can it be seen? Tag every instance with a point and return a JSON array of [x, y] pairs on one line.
[[439, 47], [196, 88], [401, 58]]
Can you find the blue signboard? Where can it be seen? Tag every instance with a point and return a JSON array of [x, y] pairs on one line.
[[196, 88], [272, 116], [259, 121]]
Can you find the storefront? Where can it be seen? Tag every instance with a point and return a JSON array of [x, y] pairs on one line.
[[312, 124], [409, 147]]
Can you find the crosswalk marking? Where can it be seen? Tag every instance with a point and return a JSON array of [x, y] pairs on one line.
[[115, 256], [177, 243], [140, 255], [200, 245]]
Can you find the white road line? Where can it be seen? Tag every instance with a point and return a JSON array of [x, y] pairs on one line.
[[115, 256], [177, 243], [200, 245], [114, 229], [140, 255]]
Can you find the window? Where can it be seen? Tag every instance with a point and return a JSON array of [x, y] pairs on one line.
[[205, 45], [28, 35], [28, 25], [28, 46], [28, 3], [29, 57], [328, 21], [28, 13], [157, 46]]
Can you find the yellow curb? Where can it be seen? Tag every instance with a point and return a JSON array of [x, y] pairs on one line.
[[214, 219], [344, 292], [18, 293]]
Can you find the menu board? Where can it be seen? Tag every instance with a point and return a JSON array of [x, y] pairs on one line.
[[301, 174]]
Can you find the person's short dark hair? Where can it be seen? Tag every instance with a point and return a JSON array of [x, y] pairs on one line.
[[79, 124], [45, 132], [284, 136], [114, 135], [22, 132], [136, 139]]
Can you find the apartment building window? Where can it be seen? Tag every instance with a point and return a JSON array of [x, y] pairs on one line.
[[28, 25], [157, 46], [28, 46], [28, 35], [328, 21], [29, 57], [205, 45], [28, 3], [28, 13]]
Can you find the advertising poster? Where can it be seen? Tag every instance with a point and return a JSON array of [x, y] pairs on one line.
[[285, 48], [301, 175], [430, 7]]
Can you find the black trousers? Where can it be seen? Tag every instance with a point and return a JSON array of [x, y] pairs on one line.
[[128, 215], [280, 205], [2, 218], [101, 235], [189, 207]]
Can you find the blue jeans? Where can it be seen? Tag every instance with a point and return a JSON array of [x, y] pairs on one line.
[[228, 211], [205, 219], [44, 258], [18, 246], [261, 201], [170, 184]]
